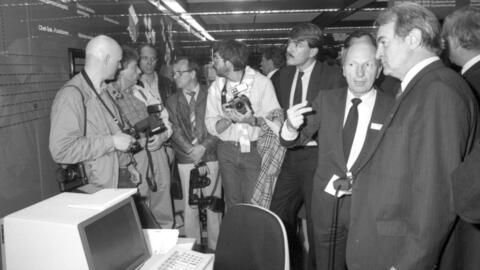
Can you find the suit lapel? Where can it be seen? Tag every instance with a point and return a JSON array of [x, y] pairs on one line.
[[383, 104], [339, 106], [472, 70], [315, 81], [287, 86]]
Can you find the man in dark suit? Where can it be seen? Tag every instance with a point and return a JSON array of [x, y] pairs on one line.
[[401, 212], [194, 146], [330, 118], [273, 58], [461, 32], [302, 79]]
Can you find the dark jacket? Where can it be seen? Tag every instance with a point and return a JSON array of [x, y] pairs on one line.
[[182, 136]]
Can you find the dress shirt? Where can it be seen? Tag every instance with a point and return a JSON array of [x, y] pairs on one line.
[[152, 87], [416, 69], [188, 97], [470, 63], [270, 74], [365, 109], [262, 97], [305, 80]]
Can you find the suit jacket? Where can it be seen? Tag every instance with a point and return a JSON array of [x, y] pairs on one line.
[[473, 78], [182, 136], [323, 77], [402, 211], [329, 112], [166, 87], [276, 81]]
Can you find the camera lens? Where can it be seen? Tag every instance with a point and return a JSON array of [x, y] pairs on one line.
[[240, 107]]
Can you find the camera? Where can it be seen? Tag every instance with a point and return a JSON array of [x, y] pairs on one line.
[[198, 181], [71, 176], [153, 123], [240, 104], [135, 147]]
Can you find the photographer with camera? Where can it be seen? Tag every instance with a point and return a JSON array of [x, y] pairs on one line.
[[85, 125], [147, 121], [195, 150], [238, 100]]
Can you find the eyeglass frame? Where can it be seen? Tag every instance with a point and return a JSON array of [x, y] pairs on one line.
[[180, 72]]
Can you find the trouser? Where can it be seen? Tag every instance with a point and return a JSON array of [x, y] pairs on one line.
[[191, 214], [160, 201], [239, 171], [294, 188], [322, 219]]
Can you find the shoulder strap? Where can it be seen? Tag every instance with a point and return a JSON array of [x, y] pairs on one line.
[[84, 108]]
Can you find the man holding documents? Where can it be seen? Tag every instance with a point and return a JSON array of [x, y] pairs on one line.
[[348, 121]]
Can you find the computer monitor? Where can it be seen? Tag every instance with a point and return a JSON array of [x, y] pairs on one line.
[[113, 239], [98, 231]]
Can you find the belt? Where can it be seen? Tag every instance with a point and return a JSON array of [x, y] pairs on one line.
[[252, 143]]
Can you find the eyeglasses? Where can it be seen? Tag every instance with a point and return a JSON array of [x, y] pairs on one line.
[[148, 59], [180, 72]]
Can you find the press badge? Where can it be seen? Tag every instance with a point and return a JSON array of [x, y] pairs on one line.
[[331, 190]]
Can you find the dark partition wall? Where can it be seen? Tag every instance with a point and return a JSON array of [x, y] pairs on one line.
[[34, 64]]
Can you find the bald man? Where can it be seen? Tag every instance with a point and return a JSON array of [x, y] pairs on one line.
[[339, 155], [83, 129]]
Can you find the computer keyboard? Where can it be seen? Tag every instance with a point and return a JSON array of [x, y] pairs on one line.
[[179, 259]]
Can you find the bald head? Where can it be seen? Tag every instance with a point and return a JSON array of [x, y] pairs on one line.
[[103, 56], [360, 67]]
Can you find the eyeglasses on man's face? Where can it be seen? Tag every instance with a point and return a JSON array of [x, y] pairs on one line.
[[180, 72]]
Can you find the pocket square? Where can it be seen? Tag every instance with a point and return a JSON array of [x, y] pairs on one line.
[[376, 126]]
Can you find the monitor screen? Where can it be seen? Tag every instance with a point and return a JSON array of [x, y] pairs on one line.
[[114, 238]]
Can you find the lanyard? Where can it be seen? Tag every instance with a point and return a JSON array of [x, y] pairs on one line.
[[224, 90], [89, 82]]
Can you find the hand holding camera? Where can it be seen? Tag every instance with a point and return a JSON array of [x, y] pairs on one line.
[[122, 141]]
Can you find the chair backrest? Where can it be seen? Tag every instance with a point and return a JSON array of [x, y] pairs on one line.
[[251, 238]]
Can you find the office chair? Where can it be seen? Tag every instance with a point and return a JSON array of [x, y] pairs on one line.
[[251, 238]]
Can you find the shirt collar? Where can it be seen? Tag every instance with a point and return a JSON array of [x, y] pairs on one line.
[[270, 74], [416, 69], [196, 90], [308, 70], [470, 63], [365, 97]]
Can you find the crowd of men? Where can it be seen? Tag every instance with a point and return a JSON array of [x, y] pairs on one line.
[[380, 151]]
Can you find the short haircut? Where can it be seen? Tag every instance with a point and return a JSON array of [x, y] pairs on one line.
[[408, 16], [233, 51], [308, 32], [128, 55], [192, 65], [147, 46], [358, 34], [464, 25], [276, 54]]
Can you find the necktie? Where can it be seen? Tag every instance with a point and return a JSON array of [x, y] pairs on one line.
[[191, 107], [350, 127], [297, 96]]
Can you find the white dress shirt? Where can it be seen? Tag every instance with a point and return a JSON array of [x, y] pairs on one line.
[[416, 69], [305, 80], [365, 109], [470, 63]]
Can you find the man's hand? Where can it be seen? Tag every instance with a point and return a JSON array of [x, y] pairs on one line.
[[122, 141], [203, 170], [156, 141], [295, 117], [197, 152], [246, 118]]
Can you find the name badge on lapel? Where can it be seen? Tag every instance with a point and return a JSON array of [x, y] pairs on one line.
[[376, 126]]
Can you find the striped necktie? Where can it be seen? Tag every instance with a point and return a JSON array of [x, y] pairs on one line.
[[191, 106]]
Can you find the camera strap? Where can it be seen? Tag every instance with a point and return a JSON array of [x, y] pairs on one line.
[[151, 184], [224, 90], [89, 82]]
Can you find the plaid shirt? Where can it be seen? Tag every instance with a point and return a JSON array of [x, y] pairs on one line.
[[272, 153]]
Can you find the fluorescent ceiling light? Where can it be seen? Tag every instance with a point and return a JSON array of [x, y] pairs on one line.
[[175, 7]]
